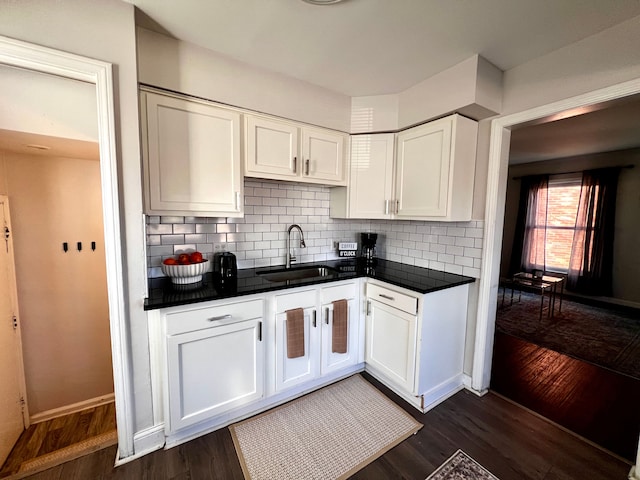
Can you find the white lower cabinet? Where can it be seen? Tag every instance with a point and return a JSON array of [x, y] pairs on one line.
[[415, 343], [319, 359], [215, 361], [391, 343], [295, 371], [226, 360]]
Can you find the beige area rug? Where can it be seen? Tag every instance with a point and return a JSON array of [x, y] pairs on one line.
[[328, 434], [58, 457], [461, 466]]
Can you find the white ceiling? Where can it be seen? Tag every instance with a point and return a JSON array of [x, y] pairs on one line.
[[372, 47], [44, 145], [616, 127]]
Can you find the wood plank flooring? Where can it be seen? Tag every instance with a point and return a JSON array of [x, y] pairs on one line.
[[49, 436], [506, 439], [594, 402]]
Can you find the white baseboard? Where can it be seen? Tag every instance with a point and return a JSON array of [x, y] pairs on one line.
[[144, 442], [73, 408], [466, 381]]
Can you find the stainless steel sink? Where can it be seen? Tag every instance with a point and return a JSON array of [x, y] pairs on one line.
[[297, 273]]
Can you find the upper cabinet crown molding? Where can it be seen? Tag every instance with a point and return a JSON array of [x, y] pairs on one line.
[[191, 157], [433, 174], [282, 150]]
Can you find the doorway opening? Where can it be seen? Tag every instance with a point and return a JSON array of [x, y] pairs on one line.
[[490, 286], [51, 172], [14, 53]]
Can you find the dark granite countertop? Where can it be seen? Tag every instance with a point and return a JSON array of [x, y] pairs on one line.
[[162, 293]]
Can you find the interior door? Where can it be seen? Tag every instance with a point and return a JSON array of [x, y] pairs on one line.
[[12, 422]]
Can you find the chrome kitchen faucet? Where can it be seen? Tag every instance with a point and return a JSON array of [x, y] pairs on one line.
[[292, 258]]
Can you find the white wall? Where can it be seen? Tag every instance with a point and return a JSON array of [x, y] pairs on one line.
[[168, 63], [601, 60], [64, 312], [47, 105], [105, 30]]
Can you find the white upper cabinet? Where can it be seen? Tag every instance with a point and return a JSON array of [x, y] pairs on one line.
[[422, 170], [430, 177], [271, 148], [323, 154], [191, 157], [435, 169], [282, 150], [370, 190]]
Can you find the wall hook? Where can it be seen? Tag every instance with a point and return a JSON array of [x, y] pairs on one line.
[[93, 246], [79, 246], [65, 247]]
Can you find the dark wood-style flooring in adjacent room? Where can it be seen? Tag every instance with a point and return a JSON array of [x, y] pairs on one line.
[[511, 442], [599, 404], [46, 437]]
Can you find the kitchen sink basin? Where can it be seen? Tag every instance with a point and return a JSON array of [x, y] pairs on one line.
[[300, 273]]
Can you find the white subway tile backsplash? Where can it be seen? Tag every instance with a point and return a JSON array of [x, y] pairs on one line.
[[259, 239], [172, 239]]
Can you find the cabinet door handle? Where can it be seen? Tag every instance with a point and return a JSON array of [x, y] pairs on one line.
[[326, 318], [219, 317], [307, 166], [314, 319], [295, 164], [397, 206], [259, 331], [237, 200], [368, 311], [386, 296], [386, 207]]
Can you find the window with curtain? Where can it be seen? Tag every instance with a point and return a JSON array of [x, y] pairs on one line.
[[566, 224], [553, 224]]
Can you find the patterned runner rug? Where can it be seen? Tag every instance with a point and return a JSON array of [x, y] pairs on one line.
[[461, 466], [330, 433]]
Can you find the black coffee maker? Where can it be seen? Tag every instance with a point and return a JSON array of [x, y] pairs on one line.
[[368, 252]]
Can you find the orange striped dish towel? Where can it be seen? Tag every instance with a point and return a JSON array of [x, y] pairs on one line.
[[295, 333], [340, 323]]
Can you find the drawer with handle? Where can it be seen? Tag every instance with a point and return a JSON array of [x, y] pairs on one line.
[[392, 298], [213, 316]]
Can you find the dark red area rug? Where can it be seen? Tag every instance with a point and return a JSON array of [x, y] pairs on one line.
[[604, 337]]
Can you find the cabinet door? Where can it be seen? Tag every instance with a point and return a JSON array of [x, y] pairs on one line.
[[214, 370], [331, 361], [323, 155], [192, 157], [294, 371], [371, 180], [422, 170], [271, 149], [391, 344]]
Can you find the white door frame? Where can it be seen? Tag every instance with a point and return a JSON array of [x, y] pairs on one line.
[[41, 59], [494, 211]]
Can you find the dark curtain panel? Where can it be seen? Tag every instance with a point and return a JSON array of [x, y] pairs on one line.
[[590, 267], [528, 246]]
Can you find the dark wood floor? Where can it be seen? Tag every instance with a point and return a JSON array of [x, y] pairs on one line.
[[594, 402], [506, 439], [46, 437]]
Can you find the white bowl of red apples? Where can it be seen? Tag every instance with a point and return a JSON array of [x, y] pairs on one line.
[[186, 268]]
